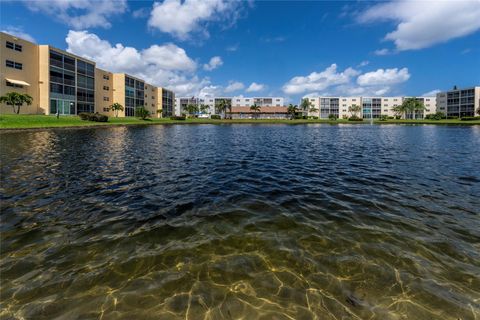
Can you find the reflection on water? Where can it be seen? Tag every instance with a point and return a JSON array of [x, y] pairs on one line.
[[225, 222]]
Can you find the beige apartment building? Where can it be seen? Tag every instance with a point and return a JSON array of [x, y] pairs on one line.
[[371, 107], [61, 82]]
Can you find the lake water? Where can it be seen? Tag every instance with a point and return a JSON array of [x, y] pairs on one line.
[[231, 221]]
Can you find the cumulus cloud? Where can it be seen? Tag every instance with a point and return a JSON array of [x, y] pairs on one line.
[[422, 24], [316, 81], [234, 86], [165, 65], [383, 77], [255, 87], [214, 63], [80, 14], [347, 83], [431, 93], [364, 63], [18, 32], [182, 18]]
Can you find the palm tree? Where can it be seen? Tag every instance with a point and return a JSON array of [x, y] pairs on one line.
[[399, 110], [204, 108], [191, 109], [313, 110], [292, 110], [305, 105], [160, 113], [116, 107], [255, 108], [354, 110], [412, 105], [222, 105], [16, 99]]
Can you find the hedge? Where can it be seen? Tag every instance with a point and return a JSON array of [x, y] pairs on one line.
[[177, 118], [215, 117], [89, 116]]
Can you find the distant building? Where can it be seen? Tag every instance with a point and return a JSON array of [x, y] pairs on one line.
[[182, 102], [371, 107], [459, 102], [62, 82]]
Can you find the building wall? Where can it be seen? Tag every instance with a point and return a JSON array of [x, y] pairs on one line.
[[28, 57], [459, 102], [103, 92], [44, 78], [119, 91]]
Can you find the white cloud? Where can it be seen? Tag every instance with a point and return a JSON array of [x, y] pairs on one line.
[[422, 24], [383, 77], [80, 14], [382, 52], [234, 86], [316, 81], [182, 18], [330, 82], [364, 63], [431, 93], [18, 32], [141, 13], [232, 48], [255, 87], [214, 63], [164, 65]]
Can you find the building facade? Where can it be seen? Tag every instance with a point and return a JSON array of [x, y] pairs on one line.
[[211, 102], [370, 107], [63, 83], [459, 102]]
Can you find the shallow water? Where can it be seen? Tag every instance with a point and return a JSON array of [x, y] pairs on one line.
[[232, 221]]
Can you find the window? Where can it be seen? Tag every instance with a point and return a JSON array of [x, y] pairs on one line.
[[106, 77], [14, 85], [277, 99], [18, 47], [106, 109], [13, 64], [153, 105], [344, 99], [153, 97], [427, 99], [10, 45], [13, 46], [106, 88], [106, 99]]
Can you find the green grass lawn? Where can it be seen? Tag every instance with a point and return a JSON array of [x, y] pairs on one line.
[[42, 121]]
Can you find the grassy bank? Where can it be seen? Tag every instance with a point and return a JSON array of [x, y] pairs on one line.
[[41, 121]]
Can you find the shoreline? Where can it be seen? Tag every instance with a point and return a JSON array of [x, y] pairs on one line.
[[14, 123]]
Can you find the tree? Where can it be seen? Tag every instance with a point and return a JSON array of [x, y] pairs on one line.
[[160, 112], [313, 110], [292, 110], [398, 110], [16, 99], [354, 110], [412, 105], [222, 106], [204, 108], [141, 112], [191, 109], [255, 108], [305, 105], [116, 107]]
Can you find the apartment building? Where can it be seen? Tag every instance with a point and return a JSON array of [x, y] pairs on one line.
[[64, 83], [370, 107], [182, 102], [459, 102]]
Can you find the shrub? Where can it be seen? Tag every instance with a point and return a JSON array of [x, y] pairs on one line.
[[97, 117], [383, 117], [398, 117], [332, 117], [436, 116], [390, 118], [355, 118], [177, 118], [142, 113], [215, 117], [452, 117], [315, 118], [470, 118], [345, 116]]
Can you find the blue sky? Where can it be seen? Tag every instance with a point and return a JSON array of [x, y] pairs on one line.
[[287, 48]]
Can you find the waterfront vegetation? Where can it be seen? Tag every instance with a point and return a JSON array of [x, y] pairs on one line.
[[43, 121]]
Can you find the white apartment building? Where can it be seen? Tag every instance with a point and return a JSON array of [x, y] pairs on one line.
[[459, 102], [371, 107], [182, 102]]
